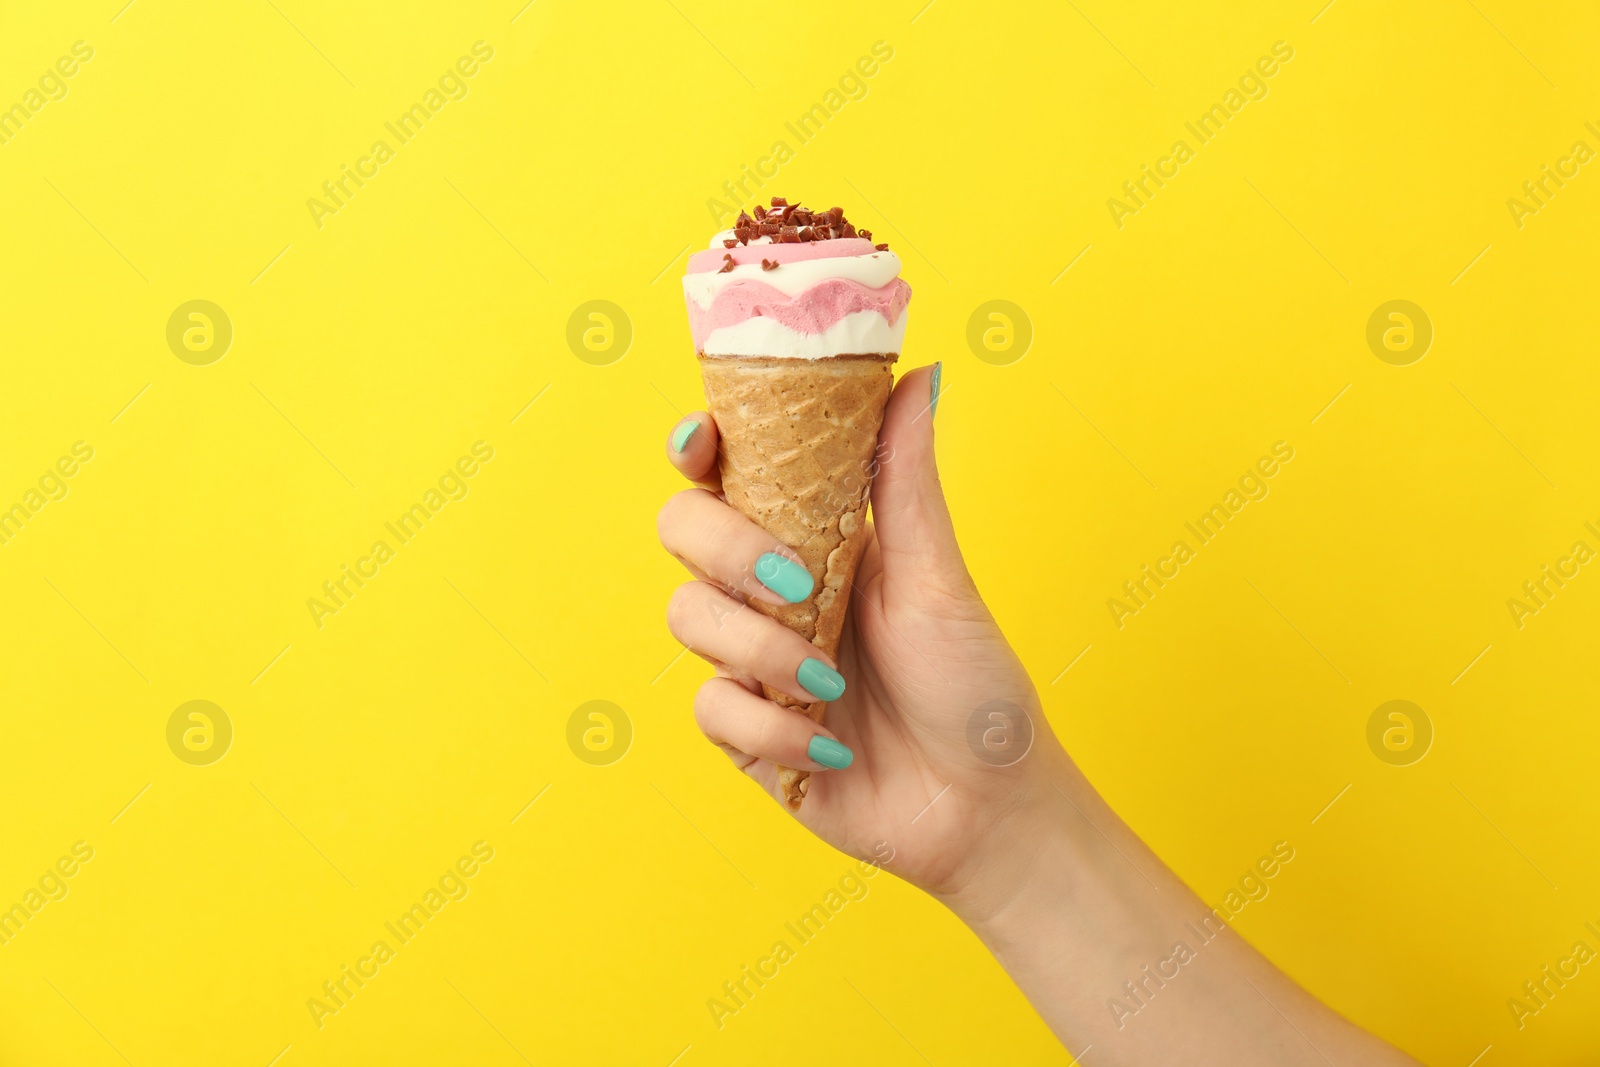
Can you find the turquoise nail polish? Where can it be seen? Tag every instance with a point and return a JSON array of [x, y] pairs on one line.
[[829, 753], [933, 400], [820, 680], [784, 576], [680, 436]]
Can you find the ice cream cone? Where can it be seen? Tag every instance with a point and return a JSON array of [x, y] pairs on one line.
[[799, 450], [798, 318]]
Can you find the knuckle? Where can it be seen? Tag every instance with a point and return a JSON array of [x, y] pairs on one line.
[[769, 736], [680, 606], [751, 647], [706, 700], [728, 529], [664, 519], [720, 609], [672, 512]]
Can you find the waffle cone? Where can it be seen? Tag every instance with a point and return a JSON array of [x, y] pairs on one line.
[[799, 450]]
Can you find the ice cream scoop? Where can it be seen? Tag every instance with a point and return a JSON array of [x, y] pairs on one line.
[[792, 294]]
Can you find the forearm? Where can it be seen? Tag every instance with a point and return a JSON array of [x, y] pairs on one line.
[[1115, 952]]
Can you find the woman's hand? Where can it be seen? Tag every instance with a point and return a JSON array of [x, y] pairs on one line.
[[956, 782], [937, 712]]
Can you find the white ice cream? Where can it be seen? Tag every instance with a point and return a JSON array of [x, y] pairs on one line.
[[858, 333]]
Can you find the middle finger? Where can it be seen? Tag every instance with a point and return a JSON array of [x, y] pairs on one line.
[[720, 628]]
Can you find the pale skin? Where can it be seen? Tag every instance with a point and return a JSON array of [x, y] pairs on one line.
[[1070, 901]]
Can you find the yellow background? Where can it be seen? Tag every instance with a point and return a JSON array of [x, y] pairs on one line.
[[370, 353]]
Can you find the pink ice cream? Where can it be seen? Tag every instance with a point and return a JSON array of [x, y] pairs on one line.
[[803, 292]]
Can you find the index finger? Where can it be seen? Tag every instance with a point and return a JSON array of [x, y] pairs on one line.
[[692, 448]]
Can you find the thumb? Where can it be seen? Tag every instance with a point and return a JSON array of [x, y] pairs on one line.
[[913, 524]]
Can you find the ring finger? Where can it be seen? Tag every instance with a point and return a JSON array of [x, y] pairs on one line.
[[740, 721]]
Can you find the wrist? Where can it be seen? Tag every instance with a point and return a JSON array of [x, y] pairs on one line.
[[1068, 902], [1027, 846]]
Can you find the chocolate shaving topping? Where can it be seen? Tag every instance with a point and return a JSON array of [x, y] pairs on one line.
[[726, 266], [769, 264], [787, 223]]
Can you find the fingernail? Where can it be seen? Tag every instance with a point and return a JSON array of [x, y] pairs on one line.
[[933, 401], [820, 680], [829, 753], [685, 430], [784, 576]]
